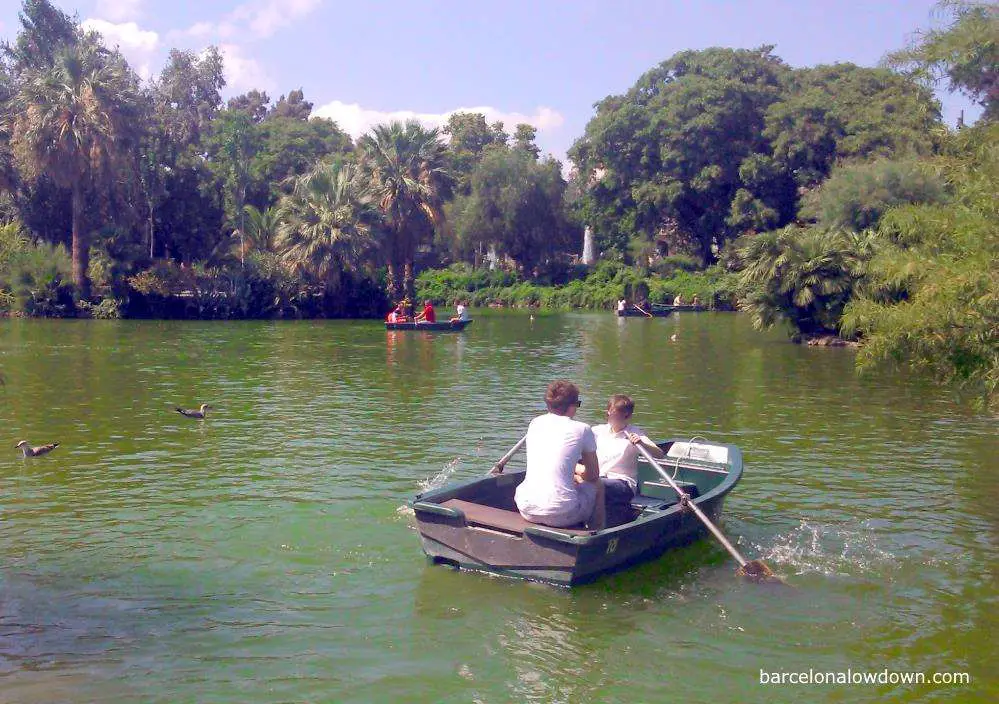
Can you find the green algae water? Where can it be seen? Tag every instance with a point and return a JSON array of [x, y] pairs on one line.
[[267, 555]]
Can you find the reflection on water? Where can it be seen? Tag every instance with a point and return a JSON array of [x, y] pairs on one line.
[[263, 555]]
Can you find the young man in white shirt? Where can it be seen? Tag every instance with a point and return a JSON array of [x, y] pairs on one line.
[[553, 492], [617, 455]]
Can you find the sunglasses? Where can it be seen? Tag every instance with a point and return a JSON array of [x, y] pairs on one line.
[[577, 403]]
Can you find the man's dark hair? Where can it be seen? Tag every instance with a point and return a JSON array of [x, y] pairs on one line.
[[560, 395]]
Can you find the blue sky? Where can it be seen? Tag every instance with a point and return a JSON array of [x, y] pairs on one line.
[[545, 62]]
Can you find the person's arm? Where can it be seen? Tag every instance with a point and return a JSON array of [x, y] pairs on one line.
[[647, 443], [591, 468]]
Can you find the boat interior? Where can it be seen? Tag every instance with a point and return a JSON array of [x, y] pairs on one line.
[[697, 468]]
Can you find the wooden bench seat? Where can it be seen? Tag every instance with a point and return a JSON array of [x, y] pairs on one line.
[[498, 518]]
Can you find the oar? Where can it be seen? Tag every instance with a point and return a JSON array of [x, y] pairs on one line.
[[754, 570], [642, 309], [498, 467]]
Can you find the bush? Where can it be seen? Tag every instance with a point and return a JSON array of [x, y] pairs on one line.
[[855, 196]]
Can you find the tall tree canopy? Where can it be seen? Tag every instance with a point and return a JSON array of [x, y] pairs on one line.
[[77, 122], [714, 143], [407, 166]]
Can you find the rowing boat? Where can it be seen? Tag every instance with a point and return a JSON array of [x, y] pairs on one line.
[[442, 326], [475, 525]]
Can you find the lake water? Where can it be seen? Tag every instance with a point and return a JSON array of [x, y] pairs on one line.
[[266, 554]]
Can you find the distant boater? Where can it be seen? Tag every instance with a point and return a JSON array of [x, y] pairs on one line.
[[200, 414], [30, 451]]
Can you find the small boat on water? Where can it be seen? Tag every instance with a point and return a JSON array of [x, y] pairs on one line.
[[475, 525], [660, 311], [442, 326]]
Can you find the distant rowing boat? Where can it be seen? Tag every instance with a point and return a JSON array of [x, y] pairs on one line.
[[660, 311], [443, 326]]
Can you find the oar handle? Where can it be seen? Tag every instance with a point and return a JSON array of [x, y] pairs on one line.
[[498, 467], [685, 501], [643, 310]]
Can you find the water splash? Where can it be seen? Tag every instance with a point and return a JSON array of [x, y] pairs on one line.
[[828, 550], [442, 477], [434, 482]]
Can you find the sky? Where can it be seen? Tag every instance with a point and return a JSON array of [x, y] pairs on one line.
[[544, 62]]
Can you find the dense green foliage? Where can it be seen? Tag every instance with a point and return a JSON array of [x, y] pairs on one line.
[[855, 196], [965, 53], [602, 288], [931, 296], [711, 144]]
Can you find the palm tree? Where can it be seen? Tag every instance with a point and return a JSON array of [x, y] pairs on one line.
[[76, 122], [406, 166], [326, 222], [260, 227], [801, 276]]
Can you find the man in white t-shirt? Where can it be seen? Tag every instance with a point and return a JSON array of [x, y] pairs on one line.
[[553, 492], [617, 454]]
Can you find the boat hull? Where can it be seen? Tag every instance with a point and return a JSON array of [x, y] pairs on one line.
[[554, 559], [443, 326]]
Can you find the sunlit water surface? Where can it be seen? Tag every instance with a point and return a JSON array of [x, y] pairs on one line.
[[266, 554]]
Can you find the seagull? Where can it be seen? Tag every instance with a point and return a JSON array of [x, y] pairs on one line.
[[200, 414], [30, 451]]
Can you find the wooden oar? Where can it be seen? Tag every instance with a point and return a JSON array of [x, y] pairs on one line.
[[642, 309], [753, 570], [498, 467]]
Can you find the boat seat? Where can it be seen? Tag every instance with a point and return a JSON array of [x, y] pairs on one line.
[[497, 518]]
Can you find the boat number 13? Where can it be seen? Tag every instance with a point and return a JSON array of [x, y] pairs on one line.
[[611, 545]]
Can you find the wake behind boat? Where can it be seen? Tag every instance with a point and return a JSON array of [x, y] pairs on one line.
[[475, 525], [442, 326]]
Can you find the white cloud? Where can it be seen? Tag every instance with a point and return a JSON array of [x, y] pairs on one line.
[[258, 19], [139, 46], [356, 120], [242, 72], [119, 10]]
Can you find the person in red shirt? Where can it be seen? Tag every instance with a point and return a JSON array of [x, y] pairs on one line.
[[428, 315]]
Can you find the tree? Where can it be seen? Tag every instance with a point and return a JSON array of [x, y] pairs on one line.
[[668, 153], [802, 277], [288, 147], [406, 165], [855, 196], [295, 106], [931, 298], [326, 222], [966, 54], [711, 144], [523, 139], [76, 122], [188, 94], [254, 104], [233, 144], [261, 228], [516, 207], [844, 111], [469, 136], [45, 31]]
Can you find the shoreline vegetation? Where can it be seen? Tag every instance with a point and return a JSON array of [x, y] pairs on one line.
[[830, 200]]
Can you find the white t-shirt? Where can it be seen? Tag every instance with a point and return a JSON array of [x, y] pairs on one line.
[[617, 456], [462, 312], [554, 445], [621, 304]]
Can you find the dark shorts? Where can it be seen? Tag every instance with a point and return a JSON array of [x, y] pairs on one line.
[[617, 499]]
